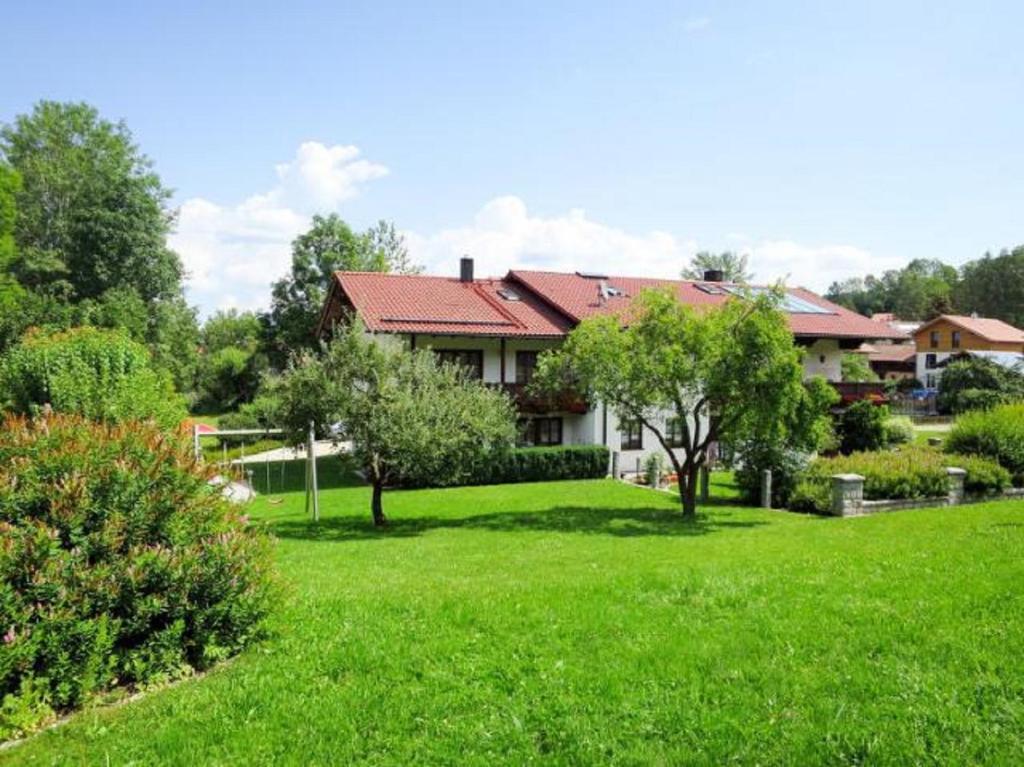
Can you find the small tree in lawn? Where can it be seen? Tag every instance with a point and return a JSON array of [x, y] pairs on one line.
[[723, 373], [407, 416]]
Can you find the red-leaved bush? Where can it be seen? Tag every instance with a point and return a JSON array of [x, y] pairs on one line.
[[118, 564]]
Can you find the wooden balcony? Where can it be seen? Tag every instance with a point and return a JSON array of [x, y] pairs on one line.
[[854, 392], [563, 402]]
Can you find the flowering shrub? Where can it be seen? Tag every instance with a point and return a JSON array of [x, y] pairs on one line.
[[907, 474], [118, 565]]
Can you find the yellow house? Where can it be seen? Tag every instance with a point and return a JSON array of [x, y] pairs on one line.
[[950, 334]]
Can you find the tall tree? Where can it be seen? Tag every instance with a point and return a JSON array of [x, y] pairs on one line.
[[732, 265], [993, 286], [330, 245], [405, 415], [12, 295], [919, 291], [721, 375], [92, 214]]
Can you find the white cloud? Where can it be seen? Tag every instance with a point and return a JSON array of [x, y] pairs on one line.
[[504, 235], [814, 267], [233, 252]]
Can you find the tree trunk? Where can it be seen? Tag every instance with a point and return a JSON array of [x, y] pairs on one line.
[[689, 494], [379, 520]]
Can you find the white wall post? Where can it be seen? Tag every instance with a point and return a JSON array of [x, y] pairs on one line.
[[311, 454]]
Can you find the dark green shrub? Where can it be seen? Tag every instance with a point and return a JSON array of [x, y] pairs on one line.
[[907, 474], [862, 426], [899, 430], [976, 383], [785, 463], [101, 374], [118, 564], [528, 464], [996, 434]]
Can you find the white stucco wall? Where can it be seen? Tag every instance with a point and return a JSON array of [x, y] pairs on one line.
[[923, 371], [824, 358]]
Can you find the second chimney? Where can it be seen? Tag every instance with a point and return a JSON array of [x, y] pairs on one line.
[[714, 275], [466, 269]]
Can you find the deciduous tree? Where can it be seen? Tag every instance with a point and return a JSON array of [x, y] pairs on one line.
[[732, 265], [723, 374], [405, 415]]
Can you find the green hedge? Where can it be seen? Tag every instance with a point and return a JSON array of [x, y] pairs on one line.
[[910, 473], [997, 433], [118, 565], [530, 464]]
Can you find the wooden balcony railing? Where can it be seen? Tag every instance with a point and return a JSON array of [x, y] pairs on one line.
[[853, 392], [562, 402]]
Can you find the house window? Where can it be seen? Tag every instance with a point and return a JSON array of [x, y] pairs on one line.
[[929, 381], [471, 360], [632, 435], [956, 339], [526, 363], [674, 432], [930, 361], [540, 431], [933, 339]]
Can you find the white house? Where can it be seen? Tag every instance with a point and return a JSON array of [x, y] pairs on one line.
[[497, 326]]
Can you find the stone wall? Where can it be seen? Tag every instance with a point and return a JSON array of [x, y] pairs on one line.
[[848, 496]]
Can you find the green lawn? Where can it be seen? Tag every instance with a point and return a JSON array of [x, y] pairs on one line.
[[584, 623]]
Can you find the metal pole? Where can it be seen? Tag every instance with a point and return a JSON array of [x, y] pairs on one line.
[[195, 442], [312, 470]]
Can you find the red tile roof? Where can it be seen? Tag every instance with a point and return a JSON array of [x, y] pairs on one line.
[[549, 304], [577, 296], [892, 353], [394, 303], [996, 331]]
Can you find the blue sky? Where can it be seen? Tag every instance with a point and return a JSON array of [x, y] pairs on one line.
[[825, 139]]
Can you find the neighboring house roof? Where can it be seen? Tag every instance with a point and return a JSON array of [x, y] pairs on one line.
[[809, 314], [395, 303], [992, 330], [892, 353]]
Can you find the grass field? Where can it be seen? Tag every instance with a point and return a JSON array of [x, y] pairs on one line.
[[584, 623]]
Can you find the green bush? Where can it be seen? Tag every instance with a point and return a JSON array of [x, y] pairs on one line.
[[101, 374], [862, 426], [905, 474], [528, 464], [118, 564], [785, 463], [899, 430], [654, 468], [976, 383], [997, 433]]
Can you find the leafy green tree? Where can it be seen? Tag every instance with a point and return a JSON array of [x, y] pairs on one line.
[[92, 213], [857, 369], [993, 286], [407, 417], [732, 265], [975, 383], [723, 374], [100, 374], [173, 340], [329, 246], [12, 295], [231, 327], [921, 290]]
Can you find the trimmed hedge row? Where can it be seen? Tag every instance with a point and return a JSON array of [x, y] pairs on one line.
[[533, 464], [907, 474]]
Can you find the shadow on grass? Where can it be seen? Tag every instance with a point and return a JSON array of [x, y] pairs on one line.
[[625, 523]]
